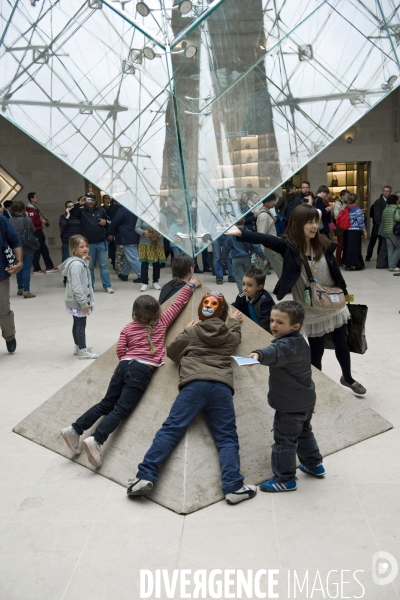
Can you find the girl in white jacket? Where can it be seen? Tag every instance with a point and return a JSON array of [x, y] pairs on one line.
[[79, 299]]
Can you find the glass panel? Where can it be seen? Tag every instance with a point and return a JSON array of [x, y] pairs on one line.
[[249, 94], [76, 80], [277, 116]]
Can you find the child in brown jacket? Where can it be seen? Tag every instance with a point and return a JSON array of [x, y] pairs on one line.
[[203, 351]]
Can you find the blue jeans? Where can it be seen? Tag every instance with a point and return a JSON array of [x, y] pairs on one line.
[[175, 250], [215, 400], [24, 276], [99, 252], [393, 249], [125, 389], [131, 260], [293, 434], [64, 251], [218, 269], [240, 266]]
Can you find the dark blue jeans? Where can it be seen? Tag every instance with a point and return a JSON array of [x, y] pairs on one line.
[[293, 434], [215, 400], [126, 388], [24, 276]]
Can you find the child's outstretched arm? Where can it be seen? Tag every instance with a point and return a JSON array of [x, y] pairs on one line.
[[277, 355], [182, 299]]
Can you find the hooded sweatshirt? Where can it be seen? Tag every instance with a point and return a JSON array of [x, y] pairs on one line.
[[78, 290], [204, 351]]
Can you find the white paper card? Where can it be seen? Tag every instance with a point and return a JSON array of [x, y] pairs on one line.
[[244, 360]]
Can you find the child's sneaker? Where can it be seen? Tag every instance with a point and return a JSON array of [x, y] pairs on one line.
[[71, 438], [92, 449], [319, 470], [273, 486], [139, 487], [246, 492], [87, 353]]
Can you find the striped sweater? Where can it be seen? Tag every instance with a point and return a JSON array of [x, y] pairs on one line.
[[133, 340]]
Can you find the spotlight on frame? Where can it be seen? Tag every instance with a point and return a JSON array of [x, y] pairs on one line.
[[388, 85], [184, 7]]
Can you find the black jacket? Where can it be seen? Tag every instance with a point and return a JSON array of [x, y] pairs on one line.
[[262, 308], [123, 227], [290, 206], [170, 289], [379, 206], [68, 228], [90, 228], [325, 215], [291, 261], [291, 388]]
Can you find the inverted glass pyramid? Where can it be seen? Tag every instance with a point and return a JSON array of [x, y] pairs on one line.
[[178, 109]]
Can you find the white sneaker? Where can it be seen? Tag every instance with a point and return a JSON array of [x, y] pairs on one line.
[[92, 449], [87, 353], [144, 287], [71, 438], [76, 349], [156, 286], [244, 493], [109, 290], [139, 487]]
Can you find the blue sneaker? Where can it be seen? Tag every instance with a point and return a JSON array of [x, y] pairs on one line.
[[319, 470], [272, 486]]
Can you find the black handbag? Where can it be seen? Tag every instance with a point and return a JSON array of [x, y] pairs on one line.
[[396, 228], [27, 238], [5, 248], [356, 337]]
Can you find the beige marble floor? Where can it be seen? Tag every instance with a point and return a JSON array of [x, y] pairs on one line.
[[69, 534]]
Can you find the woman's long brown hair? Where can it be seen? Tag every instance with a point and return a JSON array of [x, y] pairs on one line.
[[295, 231]]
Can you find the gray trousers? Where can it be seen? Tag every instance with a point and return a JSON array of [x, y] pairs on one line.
[[6, 314], [275, 260]]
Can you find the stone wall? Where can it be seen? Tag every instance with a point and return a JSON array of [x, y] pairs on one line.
[[375, 141], [37, 170]]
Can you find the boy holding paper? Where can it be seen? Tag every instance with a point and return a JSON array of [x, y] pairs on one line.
[[292, 395], [203, 351]]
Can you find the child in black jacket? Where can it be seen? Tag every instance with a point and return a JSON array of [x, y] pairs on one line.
[[254, 301], [292, 394]]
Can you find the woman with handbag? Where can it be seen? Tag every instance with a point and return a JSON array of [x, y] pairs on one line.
[[352, 259], [26, 232], [324, 297], [391, 223]]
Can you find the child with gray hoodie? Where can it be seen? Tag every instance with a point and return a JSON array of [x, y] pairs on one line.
[[79, 300]]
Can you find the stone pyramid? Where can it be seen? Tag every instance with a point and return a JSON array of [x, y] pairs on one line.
[[190, 479]]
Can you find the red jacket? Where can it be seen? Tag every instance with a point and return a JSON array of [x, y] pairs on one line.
[[34, 214]]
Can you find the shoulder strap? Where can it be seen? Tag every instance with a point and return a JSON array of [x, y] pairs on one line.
[[307, 268]]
